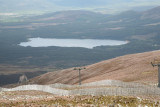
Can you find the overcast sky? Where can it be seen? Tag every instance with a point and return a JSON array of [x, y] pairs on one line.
[[94, 3], [57, 5]]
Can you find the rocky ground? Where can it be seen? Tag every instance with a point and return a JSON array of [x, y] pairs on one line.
[[41, 99]]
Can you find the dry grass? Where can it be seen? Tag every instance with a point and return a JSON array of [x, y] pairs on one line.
[[48, 100], [129, 68]]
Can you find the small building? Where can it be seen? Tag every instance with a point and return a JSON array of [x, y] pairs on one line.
[[23, 79]]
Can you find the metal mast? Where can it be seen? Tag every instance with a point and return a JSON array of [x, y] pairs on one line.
[[153, 64], [79, 70]]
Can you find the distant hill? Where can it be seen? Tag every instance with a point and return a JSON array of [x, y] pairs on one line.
[[152, 13], [70, 16], [129, 68], [81, 23]]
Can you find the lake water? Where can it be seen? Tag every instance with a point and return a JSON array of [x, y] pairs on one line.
[[85, 43]]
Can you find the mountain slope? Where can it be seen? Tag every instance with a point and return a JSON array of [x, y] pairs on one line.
[[134, 67], [152, 13]]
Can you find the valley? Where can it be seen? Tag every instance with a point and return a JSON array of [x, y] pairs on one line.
[[79, 53], [139, 28]]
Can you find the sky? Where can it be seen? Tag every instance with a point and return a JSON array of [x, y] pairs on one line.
[[109, 6], [95, 3]]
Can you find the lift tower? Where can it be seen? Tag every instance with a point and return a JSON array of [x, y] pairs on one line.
[[158, 64], [79, 69]]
